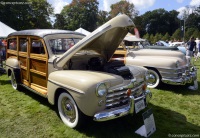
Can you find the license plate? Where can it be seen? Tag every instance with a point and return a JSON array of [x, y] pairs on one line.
[[139, 106]]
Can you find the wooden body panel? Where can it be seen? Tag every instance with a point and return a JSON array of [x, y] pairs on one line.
[[33, 61]]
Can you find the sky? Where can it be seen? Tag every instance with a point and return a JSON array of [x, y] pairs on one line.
[[141, 5]]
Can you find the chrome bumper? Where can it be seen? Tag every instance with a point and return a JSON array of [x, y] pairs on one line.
[[183, 80], [108, 115]]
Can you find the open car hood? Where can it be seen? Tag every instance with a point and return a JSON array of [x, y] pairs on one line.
[[103, 40]]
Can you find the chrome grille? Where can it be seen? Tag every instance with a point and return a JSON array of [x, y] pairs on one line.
[[119, 98]]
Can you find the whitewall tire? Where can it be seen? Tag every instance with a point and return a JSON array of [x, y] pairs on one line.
[[68, 110], [154, 79], [14, 83]]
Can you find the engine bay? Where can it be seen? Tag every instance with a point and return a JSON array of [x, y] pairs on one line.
[[98, 63]]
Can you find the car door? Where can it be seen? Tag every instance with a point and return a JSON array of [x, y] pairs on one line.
[[38, 65], [23, 59]]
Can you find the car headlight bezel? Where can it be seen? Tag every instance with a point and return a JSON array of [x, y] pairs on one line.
[[101, 90]]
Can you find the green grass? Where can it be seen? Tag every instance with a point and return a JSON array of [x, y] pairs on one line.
[[24, 114]]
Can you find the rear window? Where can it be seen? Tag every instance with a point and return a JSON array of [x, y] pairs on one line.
[[12, 44]]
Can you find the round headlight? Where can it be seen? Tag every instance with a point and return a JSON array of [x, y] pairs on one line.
[[101, 89]]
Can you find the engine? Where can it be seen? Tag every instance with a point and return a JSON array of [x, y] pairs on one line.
[[114, 67]]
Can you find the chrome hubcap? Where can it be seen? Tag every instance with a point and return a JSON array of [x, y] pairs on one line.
[[68, 109], [152, 79]]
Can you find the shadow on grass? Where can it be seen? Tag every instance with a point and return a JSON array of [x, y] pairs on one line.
[[4, 82], [180, 89], [36, 97], [167, 122]]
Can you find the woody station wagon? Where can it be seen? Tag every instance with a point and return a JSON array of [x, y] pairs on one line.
[[74, 72]]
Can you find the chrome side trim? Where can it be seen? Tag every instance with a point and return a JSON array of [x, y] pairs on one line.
[[67, 87]]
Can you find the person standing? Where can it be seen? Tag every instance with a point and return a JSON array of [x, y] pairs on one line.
[[1, 53], [197, 44], [198, 54], [191, 46]]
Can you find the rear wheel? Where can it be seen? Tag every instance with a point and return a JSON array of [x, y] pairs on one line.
[[68, 111], [154, 79], [14, 83]]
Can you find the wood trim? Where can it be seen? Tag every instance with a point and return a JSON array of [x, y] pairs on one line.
[[38, 72], [39, 89]]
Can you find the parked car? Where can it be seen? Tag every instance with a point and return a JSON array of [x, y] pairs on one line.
[[174, 45], [72, 71], [171, 67], [132, 40]]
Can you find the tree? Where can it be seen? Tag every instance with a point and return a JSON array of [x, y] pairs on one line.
[[146, 36], [177, 35], [33, 14], [159, 21], [81, 13], [103, 17], [123, 7], [166, 37], [59, 21]]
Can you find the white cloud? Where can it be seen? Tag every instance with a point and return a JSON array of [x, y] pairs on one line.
[[142, 4], [139, 4], [108, 3], [58, 5], [181, 10], [180, 1], [195, 3]]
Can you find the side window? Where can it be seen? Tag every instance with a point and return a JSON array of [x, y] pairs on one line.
[[23, 43], [12, 44], [37, 47]]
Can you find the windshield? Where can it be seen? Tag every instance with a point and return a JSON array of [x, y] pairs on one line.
[[61, 45], [136, 44]]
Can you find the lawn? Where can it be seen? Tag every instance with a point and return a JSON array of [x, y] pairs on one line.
[[24, 114]]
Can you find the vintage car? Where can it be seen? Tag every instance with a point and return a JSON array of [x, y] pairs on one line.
[[171, 67], [132, 40], [74, 73]]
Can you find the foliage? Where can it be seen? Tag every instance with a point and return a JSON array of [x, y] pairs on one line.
[[177, 35], [166, 37], [59, 21], [123, 7], [34, 14], [80, 13], [103, 17], [159, 21], [25, 114]]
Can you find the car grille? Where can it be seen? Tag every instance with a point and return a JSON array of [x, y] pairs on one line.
[[119, 97]]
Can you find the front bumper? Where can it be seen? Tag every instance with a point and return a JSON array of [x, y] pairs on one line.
[[112, 114], [185, 78]]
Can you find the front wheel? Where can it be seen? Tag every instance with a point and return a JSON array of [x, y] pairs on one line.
[[68, 111], [154, 79], [14, 83]]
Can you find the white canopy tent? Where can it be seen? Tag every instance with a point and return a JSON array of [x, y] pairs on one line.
[[5, 30], [83, 31], [133, 38]]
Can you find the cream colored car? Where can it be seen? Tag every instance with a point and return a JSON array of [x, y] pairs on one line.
[[74, 73], [167, 66]]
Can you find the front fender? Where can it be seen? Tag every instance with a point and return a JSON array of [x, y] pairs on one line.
[[81, 85]]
